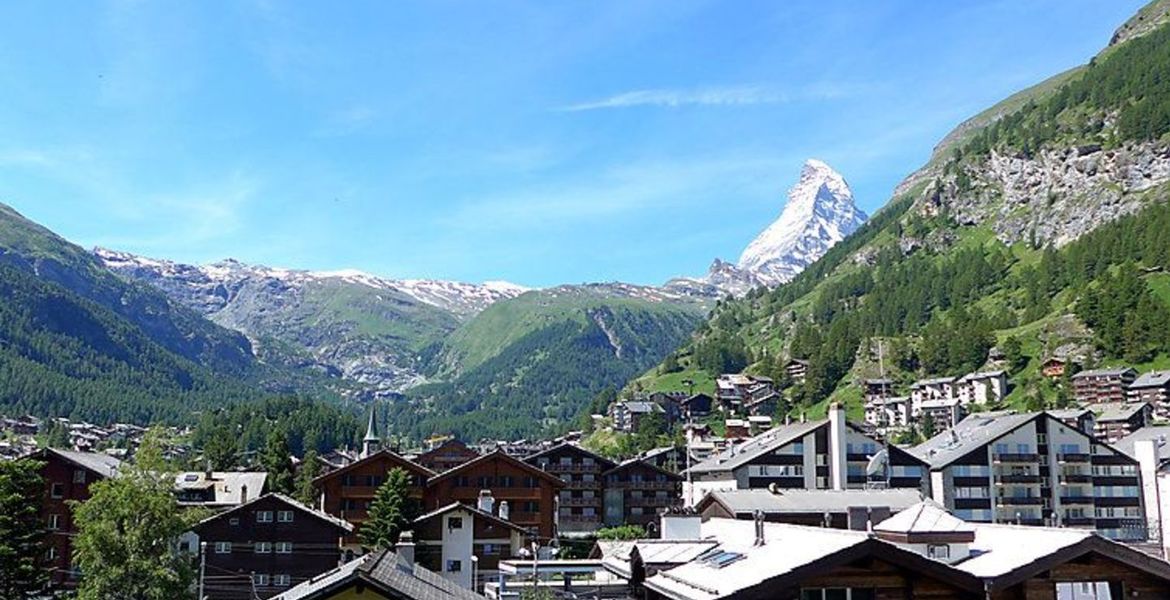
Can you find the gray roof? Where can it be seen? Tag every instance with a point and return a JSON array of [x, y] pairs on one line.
[[227, 485], [1160, 434], [978, 429], [383, 571], [813, 501], [1114, 372], [643, 407], [1118, 411], [474, 511], [328, 518], [102, 464], [925, 517], [1151, 379], [741, 454]]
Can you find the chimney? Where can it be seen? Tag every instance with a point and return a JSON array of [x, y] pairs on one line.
[[243, 494], [681, 523], [405, 550], [486, 502], [758, 516], [207, 472], [504, 509], [837, 446]]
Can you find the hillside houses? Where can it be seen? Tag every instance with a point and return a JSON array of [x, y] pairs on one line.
[[1103, 385], [945, 400], [1154, 388], [746, 394]]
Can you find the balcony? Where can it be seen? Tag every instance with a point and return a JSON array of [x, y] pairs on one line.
[[1079, 521], [580, 520], [595, 501], [1019, 501], [656, 501], [643, 485], [1077, 499], [583, 485], [1009, 457], [572, 468], [1075, 457], [1019, 479], [1076, 478]]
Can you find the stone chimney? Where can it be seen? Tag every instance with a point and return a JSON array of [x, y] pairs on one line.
[[504, 510], [837, 446], [486, 503], [681, 524], [405, 550]]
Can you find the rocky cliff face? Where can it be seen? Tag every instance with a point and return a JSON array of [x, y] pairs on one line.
[[1055, 196]]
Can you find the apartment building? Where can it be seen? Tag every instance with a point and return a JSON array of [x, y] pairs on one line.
[[346, 493], [1103, 385], [745, 393], [637, 491], [446, 456], [465, 544], [1154, 388], [580, 509], [828, 453], [888, 412], [1034, 469], [1115, 420]]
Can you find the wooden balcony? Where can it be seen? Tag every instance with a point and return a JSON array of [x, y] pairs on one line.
[[644, 485], [595, 501], [1078, 457]]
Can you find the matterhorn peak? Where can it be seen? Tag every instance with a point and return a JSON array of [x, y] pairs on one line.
[[819, 213]]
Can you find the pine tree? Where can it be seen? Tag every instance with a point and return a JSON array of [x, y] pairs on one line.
[[304, 490], [21, 531], [220, 449], [277, 461], [391, 512]]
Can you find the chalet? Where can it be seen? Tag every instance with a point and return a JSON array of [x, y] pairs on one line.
[[797, 370], [447, 455], [382, 574], [839, 509], [636, 491], [465, 544], [921, 552], [1116, 420], [697, 405], [671, 403], [736, 429], [1033, 469], [939, 388], [218, 490], [531, 493], [877, 389], [1054, 368], [1081, 419], [762, 402], [825, 454], [735, 391], [346, 493], [1154, 388], [67, 476], [1103, 385], [580, 502], [260, 548]]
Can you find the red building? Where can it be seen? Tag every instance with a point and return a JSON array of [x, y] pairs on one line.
[[531, 494], [67, 476], [270, 544], [347, 492]]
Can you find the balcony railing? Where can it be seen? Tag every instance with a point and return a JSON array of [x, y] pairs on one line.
[[1076, 478], [583, 485], [644, 485], [1076, 499], [1074, 457], [595, 501], [1019, 479], [1019, 501], [1016, 457]]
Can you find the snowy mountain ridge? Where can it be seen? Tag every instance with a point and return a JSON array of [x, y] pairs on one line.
[[818, 214]]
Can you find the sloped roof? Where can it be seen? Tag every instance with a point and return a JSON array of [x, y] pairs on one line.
[[384, 572], [227, 484], [1114, 372], [653, 552], [328, 518], [577, 448], [1159, 434], [797, 501], [496, 455], [1118, 411], [102, 464], [978, 429], [1151, 379], [407, 463], [926, 517], [473, 510], [632, 462], [741, 454]]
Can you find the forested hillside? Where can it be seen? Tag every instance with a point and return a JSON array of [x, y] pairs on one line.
[[533, 363], [1044, 229]]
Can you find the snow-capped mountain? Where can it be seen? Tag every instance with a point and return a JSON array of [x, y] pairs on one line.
[[366, 329], [819, 213]]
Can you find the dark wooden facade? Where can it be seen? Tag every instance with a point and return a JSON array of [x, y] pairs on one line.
[[270, 544], [66, 481], [636, 492], [581, 507], [347, 492], [531, 494], [447, 456]]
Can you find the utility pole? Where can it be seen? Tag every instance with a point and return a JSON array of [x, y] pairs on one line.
[[202, 567]]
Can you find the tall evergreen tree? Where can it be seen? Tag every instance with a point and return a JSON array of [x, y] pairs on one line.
[[309, 470], [277, 461], [391, 512], [21, 531]]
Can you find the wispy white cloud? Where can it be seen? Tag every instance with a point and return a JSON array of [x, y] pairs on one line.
[[738, 95]]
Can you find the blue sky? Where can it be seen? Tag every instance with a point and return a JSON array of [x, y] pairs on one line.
[[538, 142]]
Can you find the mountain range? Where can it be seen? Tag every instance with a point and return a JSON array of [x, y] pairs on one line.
[[1038, 228]]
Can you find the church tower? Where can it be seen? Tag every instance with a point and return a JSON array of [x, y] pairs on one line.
[[372, 443]]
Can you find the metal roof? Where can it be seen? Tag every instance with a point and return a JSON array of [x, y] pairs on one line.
[[102, 464], [1159, 434], [1151, 379], [741, 454], [1118, 411], [383, 571], [924, 517], [978, 429]]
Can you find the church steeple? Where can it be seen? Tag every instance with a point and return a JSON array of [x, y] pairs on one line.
[[372, 443]]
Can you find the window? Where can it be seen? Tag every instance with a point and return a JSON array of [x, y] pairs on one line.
[[939, 551], [54, 522], [51, 553], [260, 579], [281, 580], [264, 516], [262, 548], [79, 476], [234, 521], [223, 547], [284, 516], [837, 594], [1083, 590], [57, 490], [454, 566], [506, 481], [491, 549], [1001, 448], [284, 547], [454, 522]]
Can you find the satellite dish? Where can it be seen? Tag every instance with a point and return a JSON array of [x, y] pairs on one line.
[[878, 463]]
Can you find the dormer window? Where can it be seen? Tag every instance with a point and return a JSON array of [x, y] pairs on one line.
[[938, 551]]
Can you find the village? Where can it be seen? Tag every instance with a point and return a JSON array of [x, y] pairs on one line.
[[1085, 486]]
